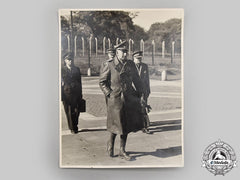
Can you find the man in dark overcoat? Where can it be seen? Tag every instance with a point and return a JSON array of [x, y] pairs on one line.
[[121, 85], [144, 76], [71, 91]]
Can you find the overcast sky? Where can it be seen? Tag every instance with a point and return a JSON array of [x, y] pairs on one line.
[[146, 17]]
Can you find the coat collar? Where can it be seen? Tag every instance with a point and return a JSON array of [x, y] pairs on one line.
[[118, 64], [139, 69]]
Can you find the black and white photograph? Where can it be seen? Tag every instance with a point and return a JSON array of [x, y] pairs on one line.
[[121, 88]]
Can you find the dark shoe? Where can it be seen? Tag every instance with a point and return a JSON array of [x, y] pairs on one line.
[[146, 131], [74, 131], [124, 155], [110, 149]]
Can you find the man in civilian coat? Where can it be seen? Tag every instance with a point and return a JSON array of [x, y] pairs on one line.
[[71, 91], [144, 76], [121, 85]]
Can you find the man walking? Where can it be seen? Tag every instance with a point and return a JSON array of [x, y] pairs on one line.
[[122, 87], [144, 76], [71, 92]]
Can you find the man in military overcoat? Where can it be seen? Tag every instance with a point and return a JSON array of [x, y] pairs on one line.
[[144, 76], [121, 85], [111, 52], [71, 92]]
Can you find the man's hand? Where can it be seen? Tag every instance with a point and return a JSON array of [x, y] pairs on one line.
[[143, 102], [109, 94], [149, 108]]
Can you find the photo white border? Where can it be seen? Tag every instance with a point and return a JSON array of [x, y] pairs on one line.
[[182, 88]]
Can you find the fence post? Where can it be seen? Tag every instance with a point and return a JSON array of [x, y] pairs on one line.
[[173, 48], [68, 42], [142, 46], [89, 56], [75, 46], [117, 41], [96, 45], [104, 45], [89, 69], [109, 43], [172, 52], [71, 33], [153, 51], [129, 46], [163, 49], [83, 45], [90, 46], [132, 46]]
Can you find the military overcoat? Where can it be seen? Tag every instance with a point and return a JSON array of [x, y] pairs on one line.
[[122, 86]]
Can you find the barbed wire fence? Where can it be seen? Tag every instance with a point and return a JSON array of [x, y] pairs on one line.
[[90, 53]]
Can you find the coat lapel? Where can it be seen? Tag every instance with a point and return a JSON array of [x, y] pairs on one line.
[[139, 70], [117, 65]]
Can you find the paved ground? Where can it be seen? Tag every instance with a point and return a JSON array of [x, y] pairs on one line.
[[162, 148]]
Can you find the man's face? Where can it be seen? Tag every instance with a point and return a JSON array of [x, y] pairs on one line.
[[68, 62], [137, 60], [111, 54], [121, 54]]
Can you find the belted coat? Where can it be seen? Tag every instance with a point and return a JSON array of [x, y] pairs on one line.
[[122, 87]]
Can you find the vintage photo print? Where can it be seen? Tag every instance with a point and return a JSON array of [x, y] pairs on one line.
[[121, 88]]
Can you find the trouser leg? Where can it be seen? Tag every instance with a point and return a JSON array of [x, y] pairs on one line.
[[122, 153], [72, 117], [112, 138], [146, 124], [68, 112], [123, 141], [146, 121], [110, 145], [75, 115]]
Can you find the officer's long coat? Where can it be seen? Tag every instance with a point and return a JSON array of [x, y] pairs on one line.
[[121, 85], [144, 76]]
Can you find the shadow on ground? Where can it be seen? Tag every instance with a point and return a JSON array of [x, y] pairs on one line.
[[161, 153], [164, 128], [157, 126], [157, 123], [95, 129], [168, 125]]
